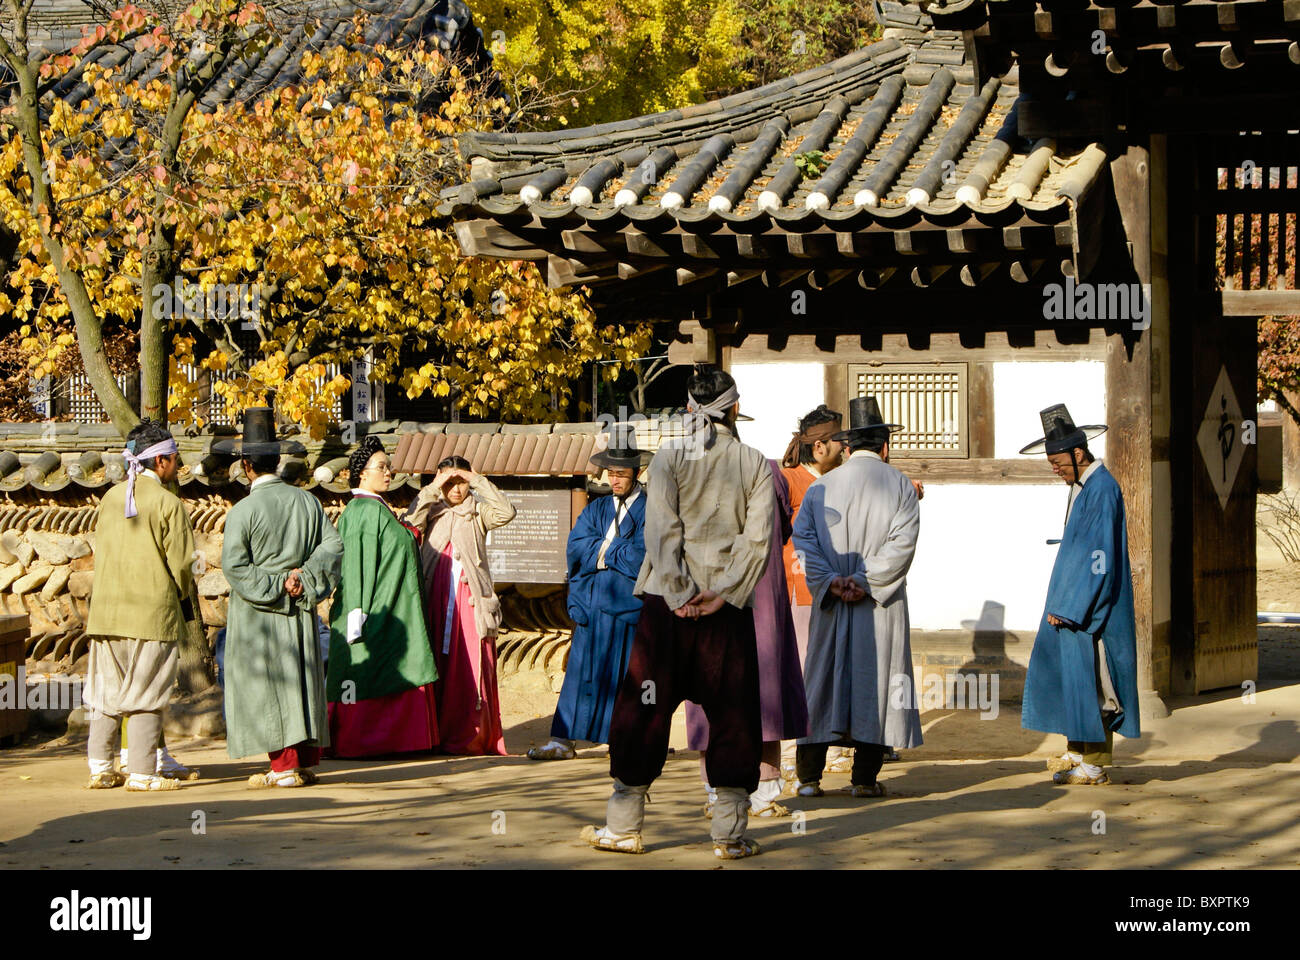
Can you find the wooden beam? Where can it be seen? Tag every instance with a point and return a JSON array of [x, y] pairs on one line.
[[799, 347], [686, 277], [632, 271], [563, 272], [584, 241], [1022, 271], [1261, 303], [775, 279], [821, 279], [694, 245], [982, 471], [756, 248], [874, 279], [973, 274], [979, 407], [928, 275], [810, 245], [643, 245], [487, 238]]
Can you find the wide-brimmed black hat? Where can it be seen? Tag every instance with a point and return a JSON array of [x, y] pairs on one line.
[[259, 437], [1060, 433], [865, 420], [622, 452]]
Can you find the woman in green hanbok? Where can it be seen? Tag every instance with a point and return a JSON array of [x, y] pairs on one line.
[[380, 686]]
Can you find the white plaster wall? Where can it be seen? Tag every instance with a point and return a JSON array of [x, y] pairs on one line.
[[1021, 389], [776, 395], [982, 555]]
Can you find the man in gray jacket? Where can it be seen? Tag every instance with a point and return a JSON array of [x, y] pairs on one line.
[[708, 529]]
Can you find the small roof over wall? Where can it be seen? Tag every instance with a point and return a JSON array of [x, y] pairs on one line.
[[49, 458]]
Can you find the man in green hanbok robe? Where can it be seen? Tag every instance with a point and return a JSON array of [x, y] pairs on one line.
[[281, 556]]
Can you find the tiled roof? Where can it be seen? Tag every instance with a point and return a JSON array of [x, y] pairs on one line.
[[517, 451], [561, 449], [312, 25], [57, 16], [1171, 34], [48, 458], [912, 144]]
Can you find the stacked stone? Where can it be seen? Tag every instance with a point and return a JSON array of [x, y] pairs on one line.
[[48, 576]]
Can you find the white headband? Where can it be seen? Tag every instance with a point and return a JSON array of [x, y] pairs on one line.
[[698, 422], [135, 466]]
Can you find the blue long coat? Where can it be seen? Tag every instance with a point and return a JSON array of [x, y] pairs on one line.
[[1092, 587], [605, 611]]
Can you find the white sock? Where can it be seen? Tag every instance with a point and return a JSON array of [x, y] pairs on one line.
[[1090, 769], [767, 792], [100, 766], [122, 756], [713, 794], [1077, 758]]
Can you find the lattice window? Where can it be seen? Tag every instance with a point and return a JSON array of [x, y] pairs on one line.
[[1255, 220], [928, 399], [83, 405]]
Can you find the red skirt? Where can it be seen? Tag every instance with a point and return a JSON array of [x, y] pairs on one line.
[[469, 707], [397, 723]]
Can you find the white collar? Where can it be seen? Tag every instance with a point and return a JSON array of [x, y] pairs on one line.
[[1092, 468], [264, 478], [358, 492], [149, 473], [811, 469], [627, 501], [865, 453]]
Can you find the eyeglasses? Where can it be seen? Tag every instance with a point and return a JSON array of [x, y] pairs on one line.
[[382, 468]]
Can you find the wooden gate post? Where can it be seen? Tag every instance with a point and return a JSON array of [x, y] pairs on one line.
[[1137, 411], [1213, 374]]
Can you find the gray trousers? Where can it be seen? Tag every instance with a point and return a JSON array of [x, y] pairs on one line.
[[141, 729], [626, 811]]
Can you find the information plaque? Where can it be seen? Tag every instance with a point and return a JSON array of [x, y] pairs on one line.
[[530, 548]]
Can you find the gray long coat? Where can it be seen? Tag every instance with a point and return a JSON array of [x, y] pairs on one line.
[[860, 520], [275, 683]]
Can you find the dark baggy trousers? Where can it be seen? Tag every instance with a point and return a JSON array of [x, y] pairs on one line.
[[810, 761], [712, 661]]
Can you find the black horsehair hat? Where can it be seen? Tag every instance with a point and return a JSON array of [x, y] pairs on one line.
[[622, 452], [259, 437], [1060, 433], [865, 421]]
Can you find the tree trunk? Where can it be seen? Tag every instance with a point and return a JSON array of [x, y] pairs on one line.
[[153, 327], [197, 669], [90, 334]]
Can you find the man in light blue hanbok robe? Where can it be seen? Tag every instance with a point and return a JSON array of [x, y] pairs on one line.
[[1082, 679]]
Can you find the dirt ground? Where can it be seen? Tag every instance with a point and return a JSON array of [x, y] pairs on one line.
[[1214, 785]]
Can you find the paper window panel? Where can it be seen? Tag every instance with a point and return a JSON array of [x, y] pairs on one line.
[[928, 399]]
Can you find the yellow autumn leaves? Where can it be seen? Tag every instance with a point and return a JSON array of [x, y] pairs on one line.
[[321, 198]]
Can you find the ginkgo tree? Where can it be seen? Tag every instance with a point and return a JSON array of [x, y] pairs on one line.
[[315, 204]]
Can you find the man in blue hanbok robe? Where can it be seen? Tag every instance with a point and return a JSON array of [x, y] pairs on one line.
[[1082, 679], [606, 548]]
